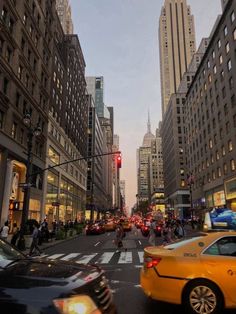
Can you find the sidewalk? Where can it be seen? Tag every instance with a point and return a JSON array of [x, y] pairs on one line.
[[45, 245]]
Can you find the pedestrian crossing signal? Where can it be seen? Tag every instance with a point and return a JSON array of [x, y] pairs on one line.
[[14, 205]]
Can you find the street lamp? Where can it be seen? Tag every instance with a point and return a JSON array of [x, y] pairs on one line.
[[32, 132], [190, 180]]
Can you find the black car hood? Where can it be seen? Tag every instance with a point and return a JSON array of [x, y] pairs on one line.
[[53, 270]]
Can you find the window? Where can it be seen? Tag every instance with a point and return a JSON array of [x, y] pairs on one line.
[[14, 130], [231, 83], [232, 164], [219, 43], [229, 65], [21, 136], [223, 151], [232, 17], [219, 172], [225, 31], [220, 59], [213, 54], [209, 78], [225, 169], [217, 155], [20, 72], [210, 144], [224, 247], [5, 85], [227, 126], [215, 69], [226, 109], [1, 119], [227, 48], [230, 145], [234, 33], [53, 155]]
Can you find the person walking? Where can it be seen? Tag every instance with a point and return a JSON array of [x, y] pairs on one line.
[[166, 233], [152, 235], [179, 231], [4, 231], [34, 244], [119, 237]]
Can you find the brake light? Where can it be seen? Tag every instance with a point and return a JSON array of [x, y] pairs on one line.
[[152, 261]]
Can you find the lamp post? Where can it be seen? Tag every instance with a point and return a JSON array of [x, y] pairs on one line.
[[190, 183], [32, 132]]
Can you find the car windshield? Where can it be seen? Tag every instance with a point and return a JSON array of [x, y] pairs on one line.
[[176, 245], [8, 254]]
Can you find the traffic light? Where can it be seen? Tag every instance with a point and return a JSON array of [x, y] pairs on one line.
[[118, 161]]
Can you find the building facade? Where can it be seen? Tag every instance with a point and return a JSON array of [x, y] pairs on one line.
[[64, 12], [65, 186], [176, 45], [211, 115], [25, 62]]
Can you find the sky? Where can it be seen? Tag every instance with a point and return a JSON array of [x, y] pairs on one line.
[[119, 40]]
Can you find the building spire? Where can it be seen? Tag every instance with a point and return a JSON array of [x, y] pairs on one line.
[[149, 123]]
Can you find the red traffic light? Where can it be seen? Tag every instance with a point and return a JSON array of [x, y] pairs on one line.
[[118, 161]]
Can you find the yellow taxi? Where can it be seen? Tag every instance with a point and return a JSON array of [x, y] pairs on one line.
[[199, 273], [126, 224], [109, 225]]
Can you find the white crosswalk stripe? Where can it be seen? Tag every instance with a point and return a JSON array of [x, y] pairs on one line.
[[85, 259], [55, 256], [105, 258], [128, 257], [70, 256], [125, 258], [140, 255]]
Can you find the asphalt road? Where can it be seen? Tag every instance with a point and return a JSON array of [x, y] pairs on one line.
[[122, 269]]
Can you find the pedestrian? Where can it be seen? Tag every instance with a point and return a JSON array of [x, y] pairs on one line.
[[166, 233], [152, 235], [4, 231], [179, 231], [35, 237], [120, 234], [15, 236]]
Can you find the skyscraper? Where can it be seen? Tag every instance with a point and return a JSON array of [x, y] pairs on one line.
[[176, 44], [64, 13]]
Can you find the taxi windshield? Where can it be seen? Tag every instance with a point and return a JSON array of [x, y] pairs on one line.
[[179, 244]]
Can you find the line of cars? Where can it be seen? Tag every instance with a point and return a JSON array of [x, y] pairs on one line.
[[145, 224], [108, 225]]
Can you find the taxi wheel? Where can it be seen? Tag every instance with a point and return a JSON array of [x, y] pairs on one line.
[[203, 297]]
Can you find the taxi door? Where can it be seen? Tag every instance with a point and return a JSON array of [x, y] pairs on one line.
[[220, 265]]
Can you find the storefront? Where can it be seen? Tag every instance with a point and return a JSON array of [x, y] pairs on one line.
[[215, 198], [230, 193]]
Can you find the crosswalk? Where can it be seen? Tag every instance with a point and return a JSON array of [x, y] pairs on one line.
[[129, 257]]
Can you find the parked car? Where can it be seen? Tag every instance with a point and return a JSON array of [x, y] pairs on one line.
[[41, 286], [198, 273]]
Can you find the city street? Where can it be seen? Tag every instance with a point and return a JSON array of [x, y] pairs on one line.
[[122, 269]]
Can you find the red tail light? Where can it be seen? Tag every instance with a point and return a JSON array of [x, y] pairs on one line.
[[152, 261], [159, 228]]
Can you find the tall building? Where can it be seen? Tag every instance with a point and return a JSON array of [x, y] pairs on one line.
[[123, 190], [25, 62], [95, 87], [143, 156], [176, 45], [174, 141], [64, 12], [210, 117]]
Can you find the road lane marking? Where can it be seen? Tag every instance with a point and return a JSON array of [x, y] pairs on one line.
[[55, 256], [140, 255], [139, 242], [105, 258], [97, 243], [125, 258], [70, 256], [86, 258]]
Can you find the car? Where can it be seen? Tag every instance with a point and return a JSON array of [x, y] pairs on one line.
[[43, 286], [126, 224], [94, 228], [199, 273], [109, 225], [158, 230]]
